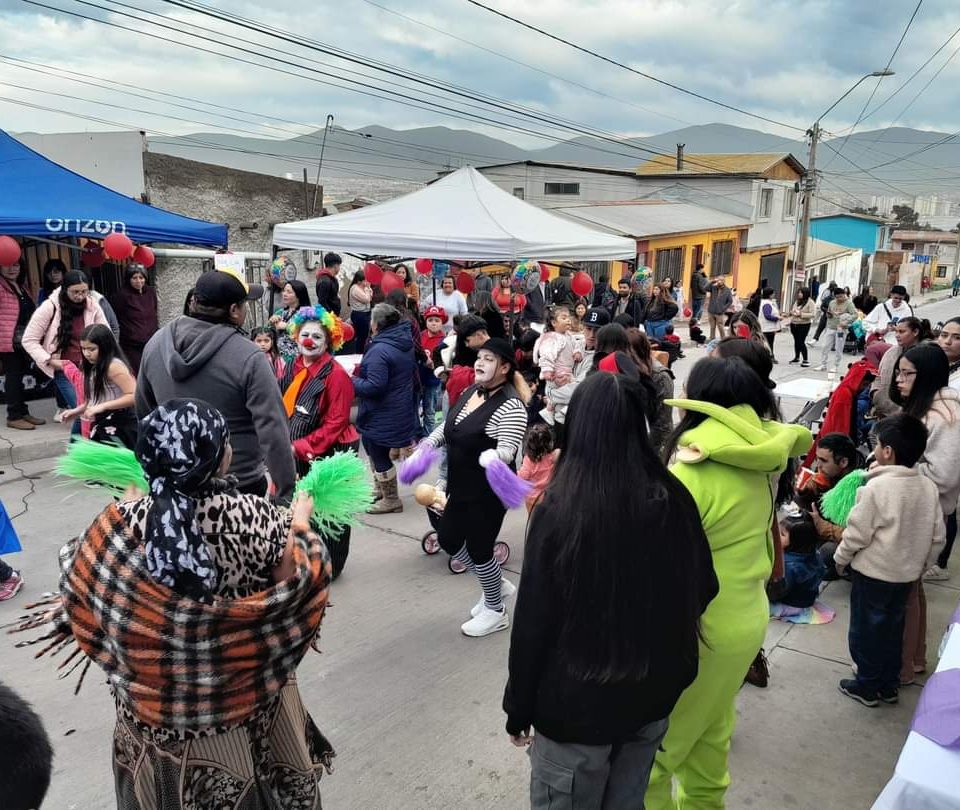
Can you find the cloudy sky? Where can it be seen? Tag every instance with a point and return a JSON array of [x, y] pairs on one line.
[[787, 61]]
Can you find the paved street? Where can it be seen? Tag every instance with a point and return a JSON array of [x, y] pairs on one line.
[[413, 707]]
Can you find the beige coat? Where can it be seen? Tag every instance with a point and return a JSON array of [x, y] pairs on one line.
[[941, 460], [40, 336], [896, 528]]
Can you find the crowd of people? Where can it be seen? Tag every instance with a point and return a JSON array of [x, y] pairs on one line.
[[528, 398]]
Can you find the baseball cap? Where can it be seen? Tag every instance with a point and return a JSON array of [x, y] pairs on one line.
[[596, 317], [221, 288], [436, 312]]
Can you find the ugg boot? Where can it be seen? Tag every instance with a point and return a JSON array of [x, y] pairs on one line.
[[377, 492], [390, 501]]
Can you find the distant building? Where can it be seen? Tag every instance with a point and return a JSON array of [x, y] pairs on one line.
[[862, 231], [935, 250], [832, 262]]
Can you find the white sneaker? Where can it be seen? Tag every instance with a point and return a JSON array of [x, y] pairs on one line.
[[811, 342], [933, 574], [820, 368], [58, 416], [486, 622], [507, 589]]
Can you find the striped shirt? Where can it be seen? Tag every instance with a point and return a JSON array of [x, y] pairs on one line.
[[506, 426]]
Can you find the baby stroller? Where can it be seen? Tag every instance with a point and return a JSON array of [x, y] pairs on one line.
[[434, 501]]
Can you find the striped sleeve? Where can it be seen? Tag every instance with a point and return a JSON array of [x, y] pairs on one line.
[[508, 426]]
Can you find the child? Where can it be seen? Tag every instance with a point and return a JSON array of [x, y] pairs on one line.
[[432, 392], [558, 349], [893, 534], [26, 754], [696, 333], [108, 389], [803, 570], [670, 343], [266, 339], [538, 461]]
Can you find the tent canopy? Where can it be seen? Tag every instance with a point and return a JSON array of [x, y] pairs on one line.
[[461, 216], [42, 198]]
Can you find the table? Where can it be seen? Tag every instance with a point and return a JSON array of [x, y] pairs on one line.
[[927, 776], [808, 388]]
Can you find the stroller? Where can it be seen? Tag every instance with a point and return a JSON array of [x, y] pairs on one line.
[[434, 500]]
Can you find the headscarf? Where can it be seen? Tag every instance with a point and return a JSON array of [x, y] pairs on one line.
[[181, 446]]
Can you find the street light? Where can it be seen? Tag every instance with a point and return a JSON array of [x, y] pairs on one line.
[[323, 144], [810, 179]]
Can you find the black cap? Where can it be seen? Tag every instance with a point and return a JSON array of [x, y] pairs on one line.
[[596, 317], [501, 348], [222, 288]]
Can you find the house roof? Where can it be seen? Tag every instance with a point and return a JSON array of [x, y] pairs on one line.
[[554, 165], [851, 215], [819, 250], [644, 219], [923, 236], [746, 165]]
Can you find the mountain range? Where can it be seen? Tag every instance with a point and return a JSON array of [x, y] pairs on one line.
[[381, 162]]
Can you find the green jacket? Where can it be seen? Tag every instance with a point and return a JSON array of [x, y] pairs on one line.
[[730, 464]]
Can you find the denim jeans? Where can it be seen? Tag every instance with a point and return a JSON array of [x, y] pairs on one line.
[[696, 308], [877, 614], [69, 395], [655, 329], [430, 401]]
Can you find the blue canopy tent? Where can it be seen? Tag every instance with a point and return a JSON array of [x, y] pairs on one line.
[[40, 198]]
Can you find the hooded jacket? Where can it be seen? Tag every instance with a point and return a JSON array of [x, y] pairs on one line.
[[730, 463], [384, 383], [40, 336], [216, 363]]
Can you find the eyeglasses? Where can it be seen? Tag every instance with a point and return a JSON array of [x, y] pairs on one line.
[[904, 375]]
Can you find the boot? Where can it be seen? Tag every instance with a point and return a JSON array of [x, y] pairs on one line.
[[377, 491], [390, 501]]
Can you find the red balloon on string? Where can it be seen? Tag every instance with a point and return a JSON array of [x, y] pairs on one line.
[[117, 246], [145, 256], [581, 284], [373, 273], [424, 266], [687, 312], [92, 257], [9, 251], [349, 333], [390, 282], [465, 283]]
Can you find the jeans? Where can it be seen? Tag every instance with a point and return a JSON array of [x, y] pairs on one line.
[[800, 332], [696, 308], [15, 365], [877, 615], [430, 401], [944, 557], [655, 329], [361, 328], [69, 395], [378, 454], [821, 325]]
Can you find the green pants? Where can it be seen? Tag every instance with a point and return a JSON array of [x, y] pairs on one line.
[[698, 739]]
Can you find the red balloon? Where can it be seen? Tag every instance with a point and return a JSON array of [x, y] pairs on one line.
[[687, 312], [373, 273], [465, 283], [349, 333], [9, 251], [92, 257], [118, 246], [424, 266], [145, 256], [391, 281], [581, 284]]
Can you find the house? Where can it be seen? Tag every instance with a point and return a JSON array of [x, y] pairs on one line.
[[863, 231], [672, 237], [833, 262], [936, 250]]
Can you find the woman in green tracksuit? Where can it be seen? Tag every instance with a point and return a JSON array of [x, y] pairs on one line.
[[728, 455]]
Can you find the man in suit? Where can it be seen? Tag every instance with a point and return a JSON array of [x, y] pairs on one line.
[[537, 301]]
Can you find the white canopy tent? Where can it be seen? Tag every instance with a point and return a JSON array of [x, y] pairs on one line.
[[461, 216]]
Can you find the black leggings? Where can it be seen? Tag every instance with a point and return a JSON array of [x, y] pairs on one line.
[[800, 332], [821, 325], [770, 336], [476, 523], [951, 537]]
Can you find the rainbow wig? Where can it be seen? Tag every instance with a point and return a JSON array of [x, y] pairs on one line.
[[330, 322]]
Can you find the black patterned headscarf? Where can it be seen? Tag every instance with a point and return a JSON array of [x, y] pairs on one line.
[[181, 446]]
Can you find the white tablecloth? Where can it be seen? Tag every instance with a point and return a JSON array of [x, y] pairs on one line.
[[808, 388], [927, 776]]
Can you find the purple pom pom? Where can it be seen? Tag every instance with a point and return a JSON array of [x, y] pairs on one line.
[[510, 488], [423, 459]]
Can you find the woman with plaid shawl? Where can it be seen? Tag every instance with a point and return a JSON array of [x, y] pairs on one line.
[[199, 604]]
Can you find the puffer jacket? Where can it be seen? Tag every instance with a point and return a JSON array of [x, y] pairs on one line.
[[9, 314], [939, 462], [384, 383], [40, 336]]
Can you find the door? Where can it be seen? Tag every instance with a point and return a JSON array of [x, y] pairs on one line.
[[771, 269]]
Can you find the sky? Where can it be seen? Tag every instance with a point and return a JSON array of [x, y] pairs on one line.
[[787, 61]]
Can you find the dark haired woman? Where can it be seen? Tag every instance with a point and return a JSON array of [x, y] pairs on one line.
[[53, 335], [136, 307], [921, 387], [51, 277], [802, 313], [770, 318], [16, 309], [487, 308], [599, 701], [359, 296], [293, 297], [729, 456], [910, 331]]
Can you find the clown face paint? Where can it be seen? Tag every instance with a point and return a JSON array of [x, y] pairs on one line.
[[312, 340], [489, 370]]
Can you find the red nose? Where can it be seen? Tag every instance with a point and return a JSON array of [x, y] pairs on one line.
[[308, 343]]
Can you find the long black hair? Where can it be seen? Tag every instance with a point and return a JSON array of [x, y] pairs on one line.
[[933, 373], [300, 289], [919, 325], [48, 267], [70, 279], [724, 381], [96, 375], [271, 333], [619, 585], [463, 355]]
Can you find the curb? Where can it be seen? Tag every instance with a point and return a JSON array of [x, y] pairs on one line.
[[11, 454]]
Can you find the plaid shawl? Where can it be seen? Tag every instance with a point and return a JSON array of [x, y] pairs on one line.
[[175, 662]]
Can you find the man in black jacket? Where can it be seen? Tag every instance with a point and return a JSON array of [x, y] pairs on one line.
[[328, 288], [699, 287], [628, 303]]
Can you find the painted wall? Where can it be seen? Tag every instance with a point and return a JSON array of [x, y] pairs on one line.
[[593, 187], [849, 232], [748, 275], [688, 242]]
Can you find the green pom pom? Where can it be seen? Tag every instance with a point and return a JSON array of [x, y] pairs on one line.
[[113, 466], [340, 489], [836, 504]]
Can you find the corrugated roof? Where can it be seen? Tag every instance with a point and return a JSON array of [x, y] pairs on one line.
[[923, 236], [819, 250], [700, 164], [853, 215], [645, 219]]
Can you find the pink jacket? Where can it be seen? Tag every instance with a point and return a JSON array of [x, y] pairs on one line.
[[9, 313], [40, 337]]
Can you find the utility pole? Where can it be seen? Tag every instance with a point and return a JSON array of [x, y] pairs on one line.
[[809, 189], [316, 188]]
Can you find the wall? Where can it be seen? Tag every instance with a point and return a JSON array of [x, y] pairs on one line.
[[748, 275], [218, 194], [594, 186], [688, 242], [849, 232]]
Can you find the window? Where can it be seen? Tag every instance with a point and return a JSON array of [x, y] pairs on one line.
[[766, 203], [789, 204], [908, 245], [721, 258], [561, 188], [941, 271], [668, 262], [518, 192]]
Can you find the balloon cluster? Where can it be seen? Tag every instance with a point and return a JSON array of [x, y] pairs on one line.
[[527, 274], [642, 276], [116, 247], [279, 269]]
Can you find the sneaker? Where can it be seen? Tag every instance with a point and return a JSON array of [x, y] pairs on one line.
[[507, 589], [58, 416], [795, 360], [811, 342], [20, 424], [891, 696], [11, 587], [820, 368], [852, 689], [486, 622], [35, 420], [936, 574], [805, 364]]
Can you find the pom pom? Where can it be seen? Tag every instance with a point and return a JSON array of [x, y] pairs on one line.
[[340, 489], [505, 483], [836, 504], [423, 458], [111, 465]]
